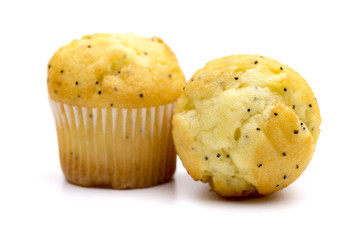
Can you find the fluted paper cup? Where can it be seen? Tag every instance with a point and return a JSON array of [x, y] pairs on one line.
[[115, 147]]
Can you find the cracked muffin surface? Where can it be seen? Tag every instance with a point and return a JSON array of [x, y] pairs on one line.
[[246, 124]]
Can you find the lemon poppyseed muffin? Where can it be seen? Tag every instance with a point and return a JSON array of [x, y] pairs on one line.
[[113, 98], [247, 125]]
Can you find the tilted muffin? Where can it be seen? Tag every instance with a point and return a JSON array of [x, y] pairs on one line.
[[113, 97], [246, 124]]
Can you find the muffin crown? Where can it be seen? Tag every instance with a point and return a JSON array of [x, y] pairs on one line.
[[115, 70]]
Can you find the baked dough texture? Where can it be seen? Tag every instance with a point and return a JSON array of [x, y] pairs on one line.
[[117, 70], [113, 98], [246, 124]]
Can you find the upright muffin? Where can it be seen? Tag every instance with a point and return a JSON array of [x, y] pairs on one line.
[[113, 98], [246, 124]]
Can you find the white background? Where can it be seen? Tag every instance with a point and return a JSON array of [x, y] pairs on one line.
[[319, 39]]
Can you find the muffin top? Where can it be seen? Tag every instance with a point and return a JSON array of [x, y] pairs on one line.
[[115, 70], [246, 124]]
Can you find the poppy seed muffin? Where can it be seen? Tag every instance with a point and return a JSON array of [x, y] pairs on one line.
[[113, 98], [246, 124]]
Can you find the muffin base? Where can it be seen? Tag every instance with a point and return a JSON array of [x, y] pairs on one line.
[[115, 147]]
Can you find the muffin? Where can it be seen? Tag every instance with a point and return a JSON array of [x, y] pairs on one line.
[[113, 98], [247, 125]]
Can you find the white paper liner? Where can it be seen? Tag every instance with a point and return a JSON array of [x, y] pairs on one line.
[[115, 147]]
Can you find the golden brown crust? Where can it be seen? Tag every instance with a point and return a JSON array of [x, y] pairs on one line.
[[117, 70], [246, 124], [287, 149]]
